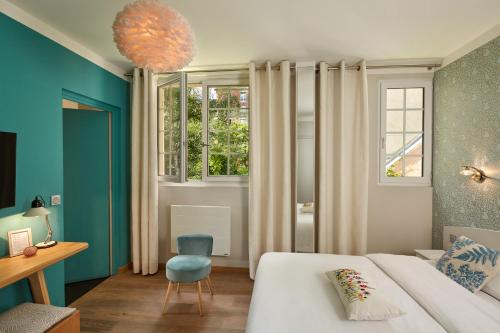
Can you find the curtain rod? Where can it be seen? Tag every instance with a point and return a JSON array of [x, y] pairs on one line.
[[352, 67]]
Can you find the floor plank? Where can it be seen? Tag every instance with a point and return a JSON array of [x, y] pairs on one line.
[[133, 303]]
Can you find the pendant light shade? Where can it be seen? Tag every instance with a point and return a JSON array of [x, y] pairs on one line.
[[154, 36]]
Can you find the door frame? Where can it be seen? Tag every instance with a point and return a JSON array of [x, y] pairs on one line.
[[114, 134]]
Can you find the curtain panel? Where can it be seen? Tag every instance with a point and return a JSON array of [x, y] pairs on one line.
[[270, 178], [144, 191], [342, 171]]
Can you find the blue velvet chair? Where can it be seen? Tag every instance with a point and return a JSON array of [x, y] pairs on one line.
[[192, 265]]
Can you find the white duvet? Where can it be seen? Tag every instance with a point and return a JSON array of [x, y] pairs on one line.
[[454, 307], [292, 295]]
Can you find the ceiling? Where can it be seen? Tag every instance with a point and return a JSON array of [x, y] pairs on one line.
[[237, 31]]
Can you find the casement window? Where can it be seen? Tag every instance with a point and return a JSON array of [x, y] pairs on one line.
[[203, 129], [405, 132]]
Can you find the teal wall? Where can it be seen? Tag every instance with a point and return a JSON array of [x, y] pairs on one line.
[[35, 70], [467, 132]]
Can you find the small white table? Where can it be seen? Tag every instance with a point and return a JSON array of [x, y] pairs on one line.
[[429, 254]]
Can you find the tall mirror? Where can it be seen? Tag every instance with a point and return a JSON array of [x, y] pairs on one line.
[[305, 78]]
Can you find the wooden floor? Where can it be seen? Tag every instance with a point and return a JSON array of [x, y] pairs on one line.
[[133, 303]]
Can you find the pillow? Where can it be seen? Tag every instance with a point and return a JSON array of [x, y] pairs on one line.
[[360, 299], [469, 264], [492, 288]]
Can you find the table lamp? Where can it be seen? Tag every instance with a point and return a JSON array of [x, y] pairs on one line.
[[38, 209]]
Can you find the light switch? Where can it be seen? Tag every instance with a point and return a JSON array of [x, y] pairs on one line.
[[55, 200]]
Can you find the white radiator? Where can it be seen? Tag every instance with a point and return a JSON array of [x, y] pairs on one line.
[[210, 220]]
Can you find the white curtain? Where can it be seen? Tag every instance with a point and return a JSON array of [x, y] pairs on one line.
[[270, 185], [144, 197], [343, 160]]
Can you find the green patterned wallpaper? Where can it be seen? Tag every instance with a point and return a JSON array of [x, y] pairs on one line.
[[467, 132]]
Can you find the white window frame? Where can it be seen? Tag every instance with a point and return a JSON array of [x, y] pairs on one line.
[[181, 78], [426, 178], [205, 84]]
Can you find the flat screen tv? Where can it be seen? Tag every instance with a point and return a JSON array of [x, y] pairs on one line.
[[7, 169]]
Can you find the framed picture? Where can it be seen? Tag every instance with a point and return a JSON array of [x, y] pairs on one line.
[[18, 241]]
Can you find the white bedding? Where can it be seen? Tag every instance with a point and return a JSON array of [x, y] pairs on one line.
[[490, 299], [292, 294], [454, 307]]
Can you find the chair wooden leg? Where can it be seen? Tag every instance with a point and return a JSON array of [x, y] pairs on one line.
[[178, 287], [209, 284], [200, 306], [164, 311]]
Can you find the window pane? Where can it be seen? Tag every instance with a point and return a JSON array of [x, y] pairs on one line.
[[413, 166], [194, 163], [415, 98], [413, 143], [217, 165], [172, 163], [170, 108], [228, 131], [394, 167], [394, 121], [217, 97], [414, 120], [218, 143], [238, 164], [412, 138], [218, 120], [239, 141], [239, 97], [393, 144], [395, 98]]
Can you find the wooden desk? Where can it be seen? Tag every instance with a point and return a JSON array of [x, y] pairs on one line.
[[20, 267]]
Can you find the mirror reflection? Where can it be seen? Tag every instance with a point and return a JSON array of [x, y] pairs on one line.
[[305, 103]]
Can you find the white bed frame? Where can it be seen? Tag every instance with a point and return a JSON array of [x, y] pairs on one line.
[[489, 238]]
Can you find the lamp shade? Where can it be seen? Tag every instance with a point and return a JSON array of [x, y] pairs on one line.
[[154, 36], [37, 208], [467, 171], [37, 211]]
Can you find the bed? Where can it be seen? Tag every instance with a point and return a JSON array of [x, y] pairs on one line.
[[292, 294]]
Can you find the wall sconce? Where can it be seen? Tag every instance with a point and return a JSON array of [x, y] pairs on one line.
[[476, 174]]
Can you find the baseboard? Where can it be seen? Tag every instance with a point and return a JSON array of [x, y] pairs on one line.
[[219, 269], [124, 268]]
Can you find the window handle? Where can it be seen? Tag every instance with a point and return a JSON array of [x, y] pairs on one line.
[[205, 144], [383, 142]]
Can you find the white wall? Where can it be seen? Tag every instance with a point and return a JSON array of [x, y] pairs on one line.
[[399, 217], [234, 197]]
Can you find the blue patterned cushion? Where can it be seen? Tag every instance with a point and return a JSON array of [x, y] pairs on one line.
[[469, 264]]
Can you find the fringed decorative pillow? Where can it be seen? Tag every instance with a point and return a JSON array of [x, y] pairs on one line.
[[360, 299], [469, 264]]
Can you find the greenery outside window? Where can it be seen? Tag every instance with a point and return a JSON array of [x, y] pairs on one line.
[[203, 129], [170, 129], [227, 132]]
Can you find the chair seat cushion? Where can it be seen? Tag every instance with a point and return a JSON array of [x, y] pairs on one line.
[[188, 268], [30, 317]]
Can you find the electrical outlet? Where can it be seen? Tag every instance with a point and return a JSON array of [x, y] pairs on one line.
[[453, 238], [55, 200]]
